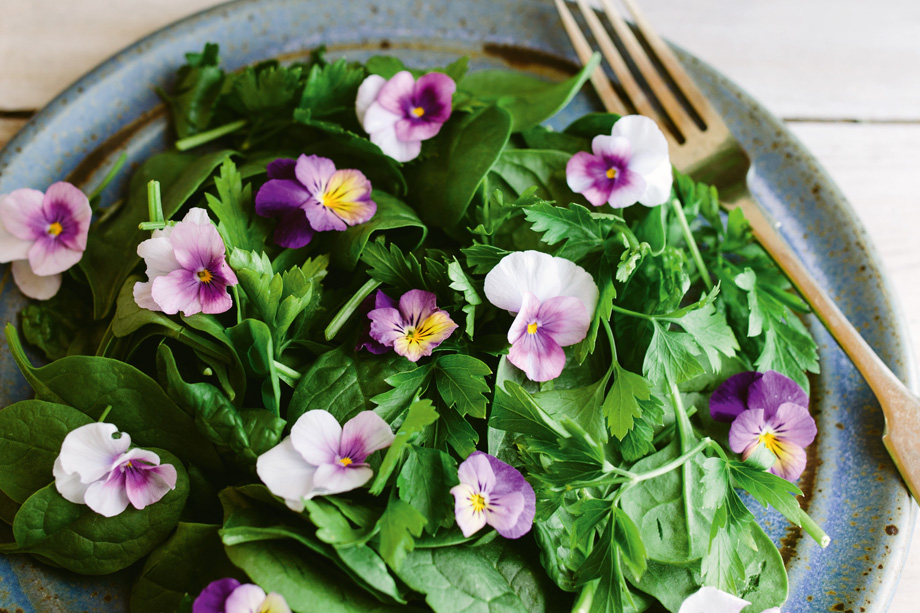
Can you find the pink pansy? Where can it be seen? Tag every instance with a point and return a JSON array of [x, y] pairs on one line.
[[494, 493], [628, 166], [414, 327], [96, 469], [553, 301], [398, 114], [320, 457], [43, 235], [229, 596], [186, 268], [711, 600]]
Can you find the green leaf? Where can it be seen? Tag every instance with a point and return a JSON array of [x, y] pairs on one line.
[[461, 381], [198, 87], [332, 526], [460, 434], [393, 267], [421, 414], [672, 357], [399, 526], [514, 410], [252, 340], [622, 404], [638, 442], [590, 125], [483, 258], [582, 233], [406, 386], [240, 226], [629, 542], [266, 90], [331, 88], [582, 405], [768, 489], [710, 330], [462, 283], [79, 539], [544, 169], [425, 481]]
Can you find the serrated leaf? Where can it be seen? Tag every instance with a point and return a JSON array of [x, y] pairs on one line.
[[672, 357], [425, 481], [399, 526], [461, 383], [621, 406], [582, 233], [331, 88], [421, 414]]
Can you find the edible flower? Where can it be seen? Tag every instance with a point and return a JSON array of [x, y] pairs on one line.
[[99, 470], [628, 166], [769, 409], [186, 268], [711, 600], [414, 328], [492, 492], [320, 457], [377, 300], [553, 301], [229, 596], [398, 114], [308, 194], [43, 235]]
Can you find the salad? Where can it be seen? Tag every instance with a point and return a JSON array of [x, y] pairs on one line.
[[371, 337]]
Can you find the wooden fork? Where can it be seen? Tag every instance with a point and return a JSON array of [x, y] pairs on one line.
[[711, 154]]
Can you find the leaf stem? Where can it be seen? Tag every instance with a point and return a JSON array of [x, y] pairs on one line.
[[691, 244], [814, 530], [684, 432], [585, 599], [619, 309], [108, 178], [349, 308], [154, 208], [676, 462], [105, 413], [287, 374], [190, 142]]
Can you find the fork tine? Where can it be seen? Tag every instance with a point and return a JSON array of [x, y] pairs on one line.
[[672, 65], [610, 99], [678, 115]]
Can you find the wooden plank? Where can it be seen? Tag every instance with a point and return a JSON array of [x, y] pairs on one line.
[[8, 128]]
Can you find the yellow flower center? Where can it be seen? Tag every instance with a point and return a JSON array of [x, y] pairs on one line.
[[769, 440], [55, 229], [346, 461], [413, 335], [611, 173], [129, 464], [478, 501], [418, 111], [205, 276], [532, 328]]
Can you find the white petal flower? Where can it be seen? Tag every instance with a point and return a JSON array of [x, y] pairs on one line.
[[542, 275], [711, 600]]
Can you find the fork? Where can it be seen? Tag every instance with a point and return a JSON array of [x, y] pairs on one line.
[[708, 152]]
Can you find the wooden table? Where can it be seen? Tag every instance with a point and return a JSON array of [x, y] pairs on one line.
[[843, 77]]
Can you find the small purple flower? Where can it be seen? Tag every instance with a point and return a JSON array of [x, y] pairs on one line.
[[309, 195], [96, 469], [186, 268], [43, 235], [767, 408], [320, 457], [378, 300], [631, 165], [492, 492], [229, 596], [400, 113], [413, 329]]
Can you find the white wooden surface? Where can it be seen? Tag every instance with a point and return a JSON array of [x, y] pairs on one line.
[[842, 73]]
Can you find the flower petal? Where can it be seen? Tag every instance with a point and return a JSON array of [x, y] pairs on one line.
[[280, 196], [367, 95], [658, 185], [346, 201], [68, 484], [565, 319], [731, 398], [12, 247], [313, 172], [396, 94], [790, 460], [50, 256], [282, 168], [364, 434], [434, 93], [92, 451], [286, 474], [628, 187], [508, 479], [794, 424], [158, 256], [33, 285], [386, 325], [542, 275], [70, 207], [247, 598], [177, 291], [274, 603], [476, 471], [212, 598], [335, 478], [108, 497], [411, 129], [772, 390], [538, 355], [504, 511], [468, 519], [293, 230], [196, 245], [746, 429], [146, 480], [711, 600], [378, 119], [401, 151], [586, 174], [317, 436], [648, 143], [431, 332], [21, 213]]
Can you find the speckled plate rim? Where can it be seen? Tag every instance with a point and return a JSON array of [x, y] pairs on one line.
[[64, 150]]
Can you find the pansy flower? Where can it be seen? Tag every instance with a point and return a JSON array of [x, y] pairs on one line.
[[628, 166], [494, 493], [553, 301], [186, 268], [43, 235], [398, 114], [96, 469], [711, 600], [230, 596], [377, 300], [769, 409], [414, 327], [320, 457]]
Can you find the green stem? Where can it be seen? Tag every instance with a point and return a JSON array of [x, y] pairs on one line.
[[190, 142], [105, 413], [108, 177], [236, 301], [691, 244], [613, 344], [287, 374], [669, 429], [585, 599], [349, 308], [676, 462], [619, 309], [202, 344], [684, 432], [154, 208], [814, 530]]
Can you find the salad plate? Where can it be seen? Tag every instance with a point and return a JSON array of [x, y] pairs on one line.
[[851, 487]]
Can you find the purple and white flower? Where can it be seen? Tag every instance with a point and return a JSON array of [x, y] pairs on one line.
[[43, 235], [377, 300], [711, 600], [413, 328], [553, 301], [769, 409], [494, 493], [631, 165], [308, 194], [186, 268], [398, 114], [96, 469], [229, 596], [320, 457]]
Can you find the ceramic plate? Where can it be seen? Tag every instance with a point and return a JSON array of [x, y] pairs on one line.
[[851, 485]]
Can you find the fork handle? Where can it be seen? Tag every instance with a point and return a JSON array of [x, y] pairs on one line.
[[900, 406]]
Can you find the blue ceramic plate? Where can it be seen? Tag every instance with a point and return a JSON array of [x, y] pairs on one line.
[[852, 487]]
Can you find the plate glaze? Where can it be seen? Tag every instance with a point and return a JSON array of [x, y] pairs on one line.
[[851, 485]]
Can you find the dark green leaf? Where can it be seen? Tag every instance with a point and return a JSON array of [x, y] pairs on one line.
[[240, 226], [392, 214], [421, 414], [399, 526], [462, 384], [425, 481]]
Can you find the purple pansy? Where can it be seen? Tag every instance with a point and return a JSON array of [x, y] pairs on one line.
[[494, 493], [186, 268], [230, 596], [414, 327], [399, 113], [43, 235], [320, 457], [553, 301], [96, 469], [767, 408], [377, 300], [628, 166], [308, 194]]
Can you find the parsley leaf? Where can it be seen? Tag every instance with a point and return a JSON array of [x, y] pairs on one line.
[[461, 383]]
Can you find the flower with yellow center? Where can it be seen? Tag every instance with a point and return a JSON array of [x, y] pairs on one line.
[[413, 329], [55, 229]]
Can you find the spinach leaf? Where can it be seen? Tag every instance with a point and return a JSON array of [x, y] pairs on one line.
[[425, 481]]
